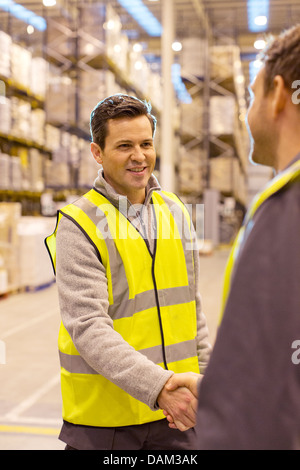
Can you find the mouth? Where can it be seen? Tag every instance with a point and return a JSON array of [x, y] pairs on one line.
[[138, 170]]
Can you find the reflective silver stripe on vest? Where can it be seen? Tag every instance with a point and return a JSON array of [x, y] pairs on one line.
[[174, 353], [145, 300], [185, 231], [122, 306], [96, 215]]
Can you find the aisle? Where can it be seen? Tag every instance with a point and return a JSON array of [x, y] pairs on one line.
[[30, 409], [30, 401]]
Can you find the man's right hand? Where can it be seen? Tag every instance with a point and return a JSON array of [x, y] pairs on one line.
[[181, 417], [179, 403], [190, 380]]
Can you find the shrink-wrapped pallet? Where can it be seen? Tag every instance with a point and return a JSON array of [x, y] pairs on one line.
[[35, 266], [222, 173], [4, 171], [222, 115], [5, 115], [192, 56], [39, 77], [10, 214], [5, 54], [21, 65]]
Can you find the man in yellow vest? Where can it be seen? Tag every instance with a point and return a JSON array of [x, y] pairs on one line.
[[249, 396], [127, 271]]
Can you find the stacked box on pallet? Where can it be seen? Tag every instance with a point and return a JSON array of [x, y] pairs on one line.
[[38, 77], [57, 174], [5, 54], [10, 214], [222, 173], [20, 118], [88, 168], [60, 98], [222, 114], [192, 117], [36, 170], [52, 137], [17, 181], [5, 115], [4, 171], [35, 266], [190, 171], [37, 126], [192, 56], [21, 65], [92, 89]]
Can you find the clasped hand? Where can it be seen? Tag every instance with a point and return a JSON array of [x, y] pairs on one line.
[[178, 400]]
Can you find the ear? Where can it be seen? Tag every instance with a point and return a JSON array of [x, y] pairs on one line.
[[96, 152], [280, 95]]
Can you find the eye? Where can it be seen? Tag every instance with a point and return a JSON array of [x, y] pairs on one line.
[[147, 144]]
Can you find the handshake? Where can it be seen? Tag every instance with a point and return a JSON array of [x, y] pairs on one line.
[[178, 400]]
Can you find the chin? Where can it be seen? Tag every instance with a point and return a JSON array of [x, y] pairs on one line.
[[262, 157]]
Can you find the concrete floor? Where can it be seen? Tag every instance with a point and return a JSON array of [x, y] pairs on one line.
[[30, 401]]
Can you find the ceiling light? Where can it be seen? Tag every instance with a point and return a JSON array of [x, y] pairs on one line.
[[23, 14], [176, 46], [30, 29], [258, 12], [49, 3], [261, 20], [142, 16], [138, 65], [259, 43], [137, 47]]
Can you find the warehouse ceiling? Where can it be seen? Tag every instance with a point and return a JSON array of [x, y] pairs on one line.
[[225, 20]]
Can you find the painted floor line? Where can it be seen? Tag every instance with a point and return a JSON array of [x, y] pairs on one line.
[[5, 428], [28, 323], [14, 414]]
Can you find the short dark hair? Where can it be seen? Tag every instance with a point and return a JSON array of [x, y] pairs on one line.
[[281, 56], [114, 107]]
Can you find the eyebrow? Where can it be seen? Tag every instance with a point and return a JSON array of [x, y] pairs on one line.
[[128, 141]]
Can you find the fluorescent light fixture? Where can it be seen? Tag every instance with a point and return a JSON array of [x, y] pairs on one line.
[[49, 3], [30, 29], [179, 86], [20, 12], [261, 20], [176, 46], [142, 16], [259, 44], [258, 13]]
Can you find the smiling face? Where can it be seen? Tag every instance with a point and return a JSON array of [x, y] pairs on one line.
[[128, 158]]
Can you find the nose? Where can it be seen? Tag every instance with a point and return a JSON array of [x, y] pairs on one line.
[[138, 154]]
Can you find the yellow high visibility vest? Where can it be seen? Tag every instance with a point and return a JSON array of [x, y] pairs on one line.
[[284, 178], [151, 302]]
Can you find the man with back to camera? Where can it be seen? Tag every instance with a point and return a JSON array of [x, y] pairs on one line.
[[129, 300], [249, 396]]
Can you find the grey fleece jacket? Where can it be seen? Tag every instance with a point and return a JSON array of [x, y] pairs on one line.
[[83, 299]]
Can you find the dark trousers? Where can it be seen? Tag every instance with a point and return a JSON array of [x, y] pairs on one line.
[[149, 436]]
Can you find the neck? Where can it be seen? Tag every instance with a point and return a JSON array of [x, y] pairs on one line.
[[286, 155], [288, 144]]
